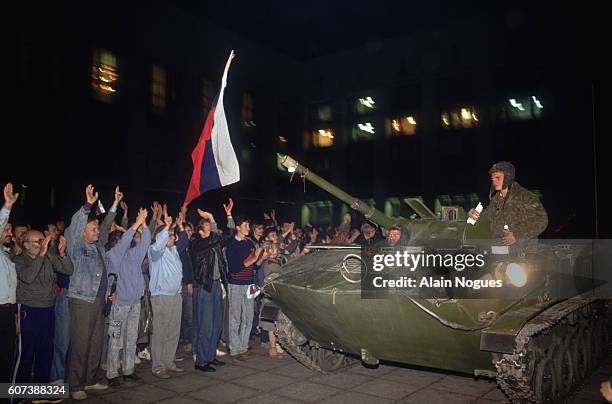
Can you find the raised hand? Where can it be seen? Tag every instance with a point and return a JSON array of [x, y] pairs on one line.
[[142, 217], [273, 214], [91, 195], [165, 210], [61, 246], [118, 195], [9, 197], [204, 215], [228, 208], [44, 246], [167, 221], [115, 227], [266, 216], [179, 220]]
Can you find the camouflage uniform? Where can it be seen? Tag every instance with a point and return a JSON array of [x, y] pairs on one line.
[[521, 210]]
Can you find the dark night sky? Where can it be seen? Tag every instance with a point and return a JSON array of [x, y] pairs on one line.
[[310, 29]]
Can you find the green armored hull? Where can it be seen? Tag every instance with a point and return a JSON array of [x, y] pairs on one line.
[[538, 347]]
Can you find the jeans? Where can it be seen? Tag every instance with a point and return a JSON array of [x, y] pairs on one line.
[[7, 342], [61, 340], [207, 322], [122, 333], [241, 312], [187, 316], [37, 329]]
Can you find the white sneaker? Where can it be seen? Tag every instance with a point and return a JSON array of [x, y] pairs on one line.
[[219, 353], [144, 354], [279, 349], [97, 386], [79, 395]]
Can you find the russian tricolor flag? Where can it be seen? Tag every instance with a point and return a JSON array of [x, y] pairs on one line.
[[214, 160]]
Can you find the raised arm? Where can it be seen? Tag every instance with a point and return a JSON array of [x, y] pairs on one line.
[[107, 224], [9, 200], [60, 262], [145, 238], [74, 232], [156, 250], [28, 270], [183, 241], [228, 214], [124, 218], [118, 251]]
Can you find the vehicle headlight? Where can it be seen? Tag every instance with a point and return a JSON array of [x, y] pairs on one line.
[[516, 274]]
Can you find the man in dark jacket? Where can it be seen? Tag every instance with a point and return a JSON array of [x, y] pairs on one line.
[[209, 271], [187, 293]]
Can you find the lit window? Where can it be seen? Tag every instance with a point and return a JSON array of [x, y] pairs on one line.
[[247, 110], [464, 117], [406, 125], [207, 95], [322, 137], [364, 105], [158, 87], [104, 75], [364, 131], [519, 109]]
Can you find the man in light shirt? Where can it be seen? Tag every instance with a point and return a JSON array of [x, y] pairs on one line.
[[165, 286], [8, 287]]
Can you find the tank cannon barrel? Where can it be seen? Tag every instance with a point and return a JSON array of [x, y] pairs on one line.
[[371, 213]]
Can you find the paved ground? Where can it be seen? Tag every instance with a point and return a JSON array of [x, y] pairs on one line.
[[263, 380]]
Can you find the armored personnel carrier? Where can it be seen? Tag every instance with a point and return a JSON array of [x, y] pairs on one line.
[[539, 347]]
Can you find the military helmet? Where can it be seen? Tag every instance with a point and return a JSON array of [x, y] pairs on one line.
[[507, 168]]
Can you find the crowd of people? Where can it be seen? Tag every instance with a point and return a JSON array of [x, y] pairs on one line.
[[100, 296]]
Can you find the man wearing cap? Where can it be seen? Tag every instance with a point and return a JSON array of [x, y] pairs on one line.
[[514, 212]]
